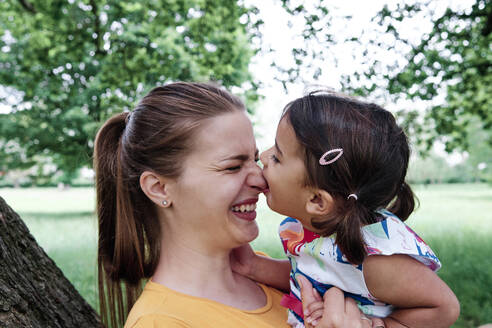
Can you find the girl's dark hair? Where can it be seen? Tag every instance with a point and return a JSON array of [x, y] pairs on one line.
[[156, 136], [373, 165]]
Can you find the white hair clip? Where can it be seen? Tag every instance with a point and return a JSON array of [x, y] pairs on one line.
[[354, 196], [322, 159]]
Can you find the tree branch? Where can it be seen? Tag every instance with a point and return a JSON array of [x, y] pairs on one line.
[[28, 6], [488, 26], [97, 27]]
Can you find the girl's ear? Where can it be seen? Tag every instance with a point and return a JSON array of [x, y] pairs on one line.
[[156, 188], [319, 203]]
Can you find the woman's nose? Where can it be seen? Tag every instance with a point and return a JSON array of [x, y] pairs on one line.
[[256, 179], [264, 157]]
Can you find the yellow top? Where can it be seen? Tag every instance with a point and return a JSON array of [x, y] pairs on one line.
[[159, 306]]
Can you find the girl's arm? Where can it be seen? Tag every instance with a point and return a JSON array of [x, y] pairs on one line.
[[266, 270], [421, 298]]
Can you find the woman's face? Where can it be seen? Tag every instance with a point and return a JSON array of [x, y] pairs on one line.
[[215, 197]]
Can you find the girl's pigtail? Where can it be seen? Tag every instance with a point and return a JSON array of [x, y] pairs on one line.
[[404, 203], [119, 249], [349, 237], [355, 215]]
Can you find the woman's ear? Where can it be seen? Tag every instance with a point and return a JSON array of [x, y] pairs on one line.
[[319, 203], [156, 188]]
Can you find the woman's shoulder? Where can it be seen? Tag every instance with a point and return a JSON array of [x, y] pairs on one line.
[[159, 306], [157, 321], [150, 308]]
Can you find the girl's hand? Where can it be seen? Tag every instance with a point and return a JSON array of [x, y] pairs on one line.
[[335, 311], [263, 269], [243, 260]]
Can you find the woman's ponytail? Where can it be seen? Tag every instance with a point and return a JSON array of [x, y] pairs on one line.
[[121, 238], [106, 150]]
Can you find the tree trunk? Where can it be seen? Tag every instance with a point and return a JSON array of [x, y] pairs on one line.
[[33, 290]]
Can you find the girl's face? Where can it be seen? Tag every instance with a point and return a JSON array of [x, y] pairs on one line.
[[215, 197], [285, 173]]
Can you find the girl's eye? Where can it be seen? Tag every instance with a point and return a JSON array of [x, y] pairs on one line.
[[274, 158], [233, 168]]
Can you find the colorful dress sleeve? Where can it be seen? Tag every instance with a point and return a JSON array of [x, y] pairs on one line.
[[391, 236]]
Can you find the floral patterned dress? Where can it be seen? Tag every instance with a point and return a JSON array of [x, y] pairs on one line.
[[320, 260]]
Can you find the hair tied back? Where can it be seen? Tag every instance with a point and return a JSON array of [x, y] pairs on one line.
[[128, 116], [337, 151], [354, 196]]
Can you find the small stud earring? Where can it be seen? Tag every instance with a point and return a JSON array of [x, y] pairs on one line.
[[164, 202]]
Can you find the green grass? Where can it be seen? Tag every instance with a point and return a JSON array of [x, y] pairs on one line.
[[456, 220]]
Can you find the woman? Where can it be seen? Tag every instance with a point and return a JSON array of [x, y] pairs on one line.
[[177, 185]]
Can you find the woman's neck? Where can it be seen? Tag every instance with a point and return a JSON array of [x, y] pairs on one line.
[[186, 268], [180, 261]]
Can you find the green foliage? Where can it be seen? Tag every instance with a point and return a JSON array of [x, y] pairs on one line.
[[454, 59], [449, 69], [455, 221], [71, 64], [316, 19]]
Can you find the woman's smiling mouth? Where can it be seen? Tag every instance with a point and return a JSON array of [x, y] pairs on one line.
[[245, 210]]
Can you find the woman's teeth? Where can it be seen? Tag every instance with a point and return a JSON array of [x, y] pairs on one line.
[[244, 208]]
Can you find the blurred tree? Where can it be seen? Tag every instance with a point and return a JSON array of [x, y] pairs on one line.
[[454, 59], [480, 152], [444, 60], [69, 65], [309, 56]]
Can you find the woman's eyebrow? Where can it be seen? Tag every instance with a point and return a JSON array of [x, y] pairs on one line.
[[240, 157]]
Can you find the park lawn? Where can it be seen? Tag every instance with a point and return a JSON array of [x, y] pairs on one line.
[[456, 220]]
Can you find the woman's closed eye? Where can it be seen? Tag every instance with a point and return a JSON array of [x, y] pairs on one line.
[[274, 158], [233, 168]]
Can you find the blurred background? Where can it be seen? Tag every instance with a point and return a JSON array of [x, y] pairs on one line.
[[66, 66]]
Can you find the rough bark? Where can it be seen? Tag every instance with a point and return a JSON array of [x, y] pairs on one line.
[[33, 290]]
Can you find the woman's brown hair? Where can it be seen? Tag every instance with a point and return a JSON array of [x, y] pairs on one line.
[[155, 136], [373, 165]]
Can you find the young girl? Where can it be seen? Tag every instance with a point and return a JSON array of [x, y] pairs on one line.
[[338, 171]]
